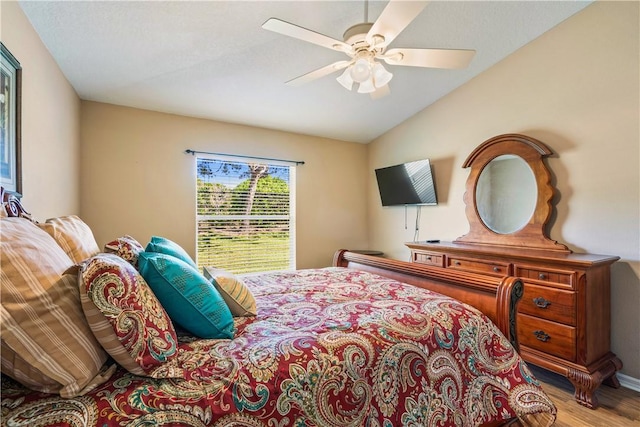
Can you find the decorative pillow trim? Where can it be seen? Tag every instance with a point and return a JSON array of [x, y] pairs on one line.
[[103, 332]]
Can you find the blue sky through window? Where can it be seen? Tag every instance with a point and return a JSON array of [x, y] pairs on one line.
[[232, 173]]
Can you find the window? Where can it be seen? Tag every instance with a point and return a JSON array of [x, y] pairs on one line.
[[245, 215]]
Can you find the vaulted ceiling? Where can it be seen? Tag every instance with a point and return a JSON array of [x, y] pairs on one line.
[[213, 59]]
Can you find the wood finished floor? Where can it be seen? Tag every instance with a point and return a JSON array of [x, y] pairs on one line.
[[618, 407]]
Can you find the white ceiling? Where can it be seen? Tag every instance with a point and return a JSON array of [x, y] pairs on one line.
[[212, 59]]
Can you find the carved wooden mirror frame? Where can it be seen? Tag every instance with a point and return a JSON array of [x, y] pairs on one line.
[[533, 235]]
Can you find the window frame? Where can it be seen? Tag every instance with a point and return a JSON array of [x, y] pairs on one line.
[[292, 264]]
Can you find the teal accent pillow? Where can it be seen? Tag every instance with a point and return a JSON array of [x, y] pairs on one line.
[[187, 296], [165, 246]]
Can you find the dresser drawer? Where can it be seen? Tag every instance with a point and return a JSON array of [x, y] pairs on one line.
[[478, 266], [428, 258], [549, 303], [553, 277], [549, 337]]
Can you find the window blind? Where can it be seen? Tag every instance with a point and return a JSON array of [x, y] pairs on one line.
[[245, 215]]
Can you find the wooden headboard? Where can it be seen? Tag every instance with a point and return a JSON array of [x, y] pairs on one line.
[[11, 204]]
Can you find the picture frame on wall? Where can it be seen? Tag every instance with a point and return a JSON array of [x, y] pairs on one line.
[[10, 120]]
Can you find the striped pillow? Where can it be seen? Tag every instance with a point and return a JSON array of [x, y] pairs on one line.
[[73, 235], [235, 293], [51, 346], [24, 372]]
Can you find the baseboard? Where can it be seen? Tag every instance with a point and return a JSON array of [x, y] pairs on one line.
[[629, 382]]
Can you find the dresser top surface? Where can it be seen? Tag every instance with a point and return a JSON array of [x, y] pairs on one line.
[[522, 253]]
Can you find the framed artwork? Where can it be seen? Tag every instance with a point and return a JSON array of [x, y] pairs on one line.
[[10, 109]]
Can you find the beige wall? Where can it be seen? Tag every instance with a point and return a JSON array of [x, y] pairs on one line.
[[576, 88], [137, 180], [50, 121]]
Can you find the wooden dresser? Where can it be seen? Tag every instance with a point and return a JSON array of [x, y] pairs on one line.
[[563, 321]]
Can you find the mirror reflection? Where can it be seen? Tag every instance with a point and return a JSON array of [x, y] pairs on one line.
[[506, 194]]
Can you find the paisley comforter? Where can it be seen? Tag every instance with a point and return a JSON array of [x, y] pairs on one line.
[[329, 347]]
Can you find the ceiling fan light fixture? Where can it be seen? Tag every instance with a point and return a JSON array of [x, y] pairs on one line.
[[361, 70], [380, 75], [366, 45], [366, 86], [345, 79]]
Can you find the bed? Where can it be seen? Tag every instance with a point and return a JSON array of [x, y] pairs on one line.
[[367, 341]]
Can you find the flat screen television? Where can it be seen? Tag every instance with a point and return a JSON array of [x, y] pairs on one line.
[[407, 184]]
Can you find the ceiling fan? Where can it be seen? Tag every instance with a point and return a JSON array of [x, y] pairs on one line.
[[366, 44]]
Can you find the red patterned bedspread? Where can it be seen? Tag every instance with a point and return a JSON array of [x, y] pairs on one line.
[[329, 347]]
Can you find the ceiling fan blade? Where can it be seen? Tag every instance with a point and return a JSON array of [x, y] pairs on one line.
[[394, 18], [431, 58], [320, 72], [295, 31], [381, 92]]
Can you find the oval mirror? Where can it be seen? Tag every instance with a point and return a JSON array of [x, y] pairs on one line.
[[506, 194]]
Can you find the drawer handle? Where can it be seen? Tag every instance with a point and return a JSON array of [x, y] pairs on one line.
[[542, 276], [541, 335], [496, 269], [541, 302], [428, 258], [457, 262]]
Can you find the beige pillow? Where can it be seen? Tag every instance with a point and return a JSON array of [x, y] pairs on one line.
[[49, 345], [73, 235], [235, 293]]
